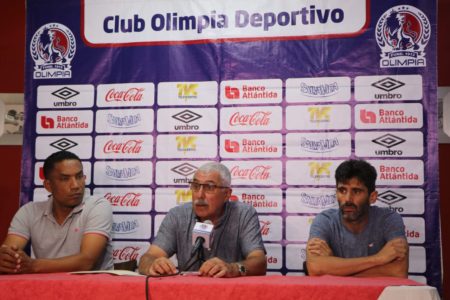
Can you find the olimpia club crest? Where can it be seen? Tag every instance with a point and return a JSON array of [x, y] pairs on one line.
[[52, 49], [402, 33]]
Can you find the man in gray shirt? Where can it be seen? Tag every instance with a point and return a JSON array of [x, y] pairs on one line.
[[68, 232], [236, 248], [357, 239]]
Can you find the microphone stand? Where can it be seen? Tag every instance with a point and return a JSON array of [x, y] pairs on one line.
[[199, 257]]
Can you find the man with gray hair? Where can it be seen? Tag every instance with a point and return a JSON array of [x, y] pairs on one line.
[[236, 247]]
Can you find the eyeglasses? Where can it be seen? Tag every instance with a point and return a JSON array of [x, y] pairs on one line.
[[207, 187]]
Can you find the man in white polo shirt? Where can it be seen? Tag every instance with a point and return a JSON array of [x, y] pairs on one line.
[[68, 232]]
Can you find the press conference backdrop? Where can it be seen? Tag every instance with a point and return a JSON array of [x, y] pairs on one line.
[[280, 91]]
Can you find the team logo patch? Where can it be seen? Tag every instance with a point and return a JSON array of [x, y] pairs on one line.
[[402, 34], [52, 49]]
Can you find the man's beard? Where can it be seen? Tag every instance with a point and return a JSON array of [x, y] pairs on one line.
[[357, 214]]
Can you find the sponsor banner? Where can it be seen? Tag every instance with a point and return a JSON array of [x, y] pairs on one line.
[[389, 116], [161, 22], [318, 117], [41, 194], [389, 144], [187, 93], [319, 144], [64, 121], [65, 96], [130, 199], [131, 227], [251, 145], [126, 94], [123, 146], [254, 118], [126, 251], [415, 230], [417, 260], [270, 227], [81, 145], [186, 146], [251, 91], [310, 200], [264, 200], [274, 256], [319, 89], [255, 172], [389, 88], [39, 172], [124, 120], [167, 198], [399, 172], [402, 200], [176, 172], [187, 119], [315, 172], [297, 228], [123, 173], [295, 256]]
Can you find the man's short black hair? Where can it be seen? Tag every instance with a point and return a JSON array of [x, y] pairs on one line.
[[49, 163], [359, 169]]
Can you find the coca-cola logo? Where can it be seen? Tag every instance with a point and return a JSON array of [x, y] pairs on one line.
[[255, 173], [258, 118], [265, 227], [130, 95], [126, 253], [128, 200], [128, 147]]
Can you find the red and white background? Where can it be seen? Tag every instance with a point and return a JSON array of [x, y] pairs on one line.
[[144, 92]]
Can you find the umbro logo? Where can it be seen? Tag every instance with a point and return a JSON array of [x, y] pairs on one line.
[[63, 144], [184, 169], [186, 116], [390, 197], [388, 84], [65, 93], [388, 140]]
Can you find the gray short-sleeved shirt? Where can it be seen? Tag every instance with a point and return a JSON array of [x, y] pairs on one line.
[[35, 222], [384, 225], [234, 237]]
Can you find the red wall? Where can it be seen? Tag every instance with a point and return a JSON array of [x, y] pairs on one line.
[[12, 51]]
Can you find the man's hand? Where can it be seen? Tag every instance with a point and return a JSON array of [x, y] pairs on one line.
[[215, 267], [162, 266], [25, 263], [9, 259], [395, 249], [318, 247]]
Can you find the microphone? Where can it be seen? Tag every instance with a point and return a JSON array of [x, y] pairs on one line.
[[201, 236]]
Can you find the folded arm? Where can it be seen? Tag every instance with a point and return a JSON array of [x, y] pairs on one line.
[[391, 260]]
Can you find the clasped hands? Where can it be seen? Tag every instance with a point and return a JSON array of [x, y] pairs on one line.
[[14, 260], [213, 267]]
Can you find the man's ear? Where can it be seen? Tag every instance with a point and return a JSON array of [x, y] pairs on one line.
[[47, 185], [373, 197]]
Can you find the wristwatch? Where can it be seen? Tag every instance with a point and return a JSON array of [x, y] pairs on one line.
[[242, 269]]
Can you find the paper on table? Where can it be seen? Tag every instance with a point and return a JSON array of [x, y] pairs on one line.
[[112, 272]]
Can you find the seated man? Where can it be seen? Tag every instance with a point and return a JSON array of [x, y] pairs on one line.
[[68, 232], [237, 248], [357, 239]]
